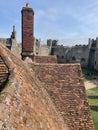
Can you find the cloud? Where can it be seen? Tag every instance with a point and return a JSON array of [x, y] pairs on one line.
[[88, 14], [48, 14], [62, 19], [69, 20]]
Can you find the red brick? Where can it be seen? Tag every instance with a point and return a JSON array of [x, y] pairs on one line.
[[27, 31]]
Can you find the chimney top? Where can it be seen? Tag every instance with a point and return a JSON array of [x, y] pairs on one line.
[[27, 5]]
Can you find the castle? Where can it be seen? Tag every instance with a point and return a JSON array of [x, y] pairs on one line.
[[86, 55], [36, 92]]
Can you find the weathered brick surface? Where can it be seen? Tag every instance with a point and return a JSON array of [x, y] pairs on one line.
[[27, 31], [4, 72], [65, 85], [45, 59], [24, 103]]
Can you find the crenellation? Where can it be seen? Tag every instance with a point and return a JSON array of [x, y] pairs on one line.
[[86, 55]]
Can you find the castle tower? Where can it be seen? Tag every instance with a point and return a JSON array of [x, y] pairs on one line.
[[27, 32], [13, 36]]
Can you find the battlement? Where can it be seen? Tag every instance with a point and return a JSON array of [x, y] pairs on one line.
[[81, 45]]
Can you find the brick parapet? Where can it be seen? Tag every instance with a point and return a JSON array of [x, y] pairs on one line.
[[45, 59]]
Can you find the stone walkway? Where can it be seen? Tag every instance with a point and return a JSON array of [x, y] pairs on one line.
[[91, 84]]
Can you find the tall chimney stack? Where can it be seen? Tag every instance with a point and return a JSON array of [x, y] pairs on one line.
[[27, 32]]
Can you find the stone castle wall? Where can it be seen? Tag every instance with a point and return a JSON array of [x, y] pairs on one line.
[[6, 42], [96, 60], [86, 55], [11, 43], [45, 50], [75, 54], [78, 54], [60, 52]]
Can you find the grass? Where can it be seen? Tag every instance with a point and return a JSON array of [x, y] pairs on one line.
[[93, 101]]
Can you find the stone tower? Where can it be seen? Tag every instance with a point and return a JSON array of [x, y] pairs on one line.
[[13, 36], [27, 32]]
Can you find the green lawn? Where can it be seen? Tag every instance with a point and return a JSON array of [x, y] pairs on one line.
[[93, 101]]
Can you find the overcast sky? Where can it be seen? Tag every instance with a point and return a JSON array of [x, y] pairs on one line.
[[69, 21]]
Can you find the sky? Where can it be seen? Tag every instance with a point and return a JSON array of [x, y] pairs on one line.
[[69, 21]]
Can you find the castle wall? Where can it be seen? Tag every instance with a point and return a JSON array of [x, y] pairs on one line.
[[37, 46], [45, 50], [91, 61], [15, 48], [78, 54], [93, 54], [96, 60], [6, 42], [12, 45], [96, 55], [60, 52]]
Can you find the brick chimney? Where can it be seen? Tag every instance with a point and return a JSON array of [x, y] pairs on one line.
[[27, 32]]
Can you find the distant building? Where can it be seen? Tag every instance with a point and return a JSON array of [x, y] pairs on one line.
[[11, 43], [86, 55]]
